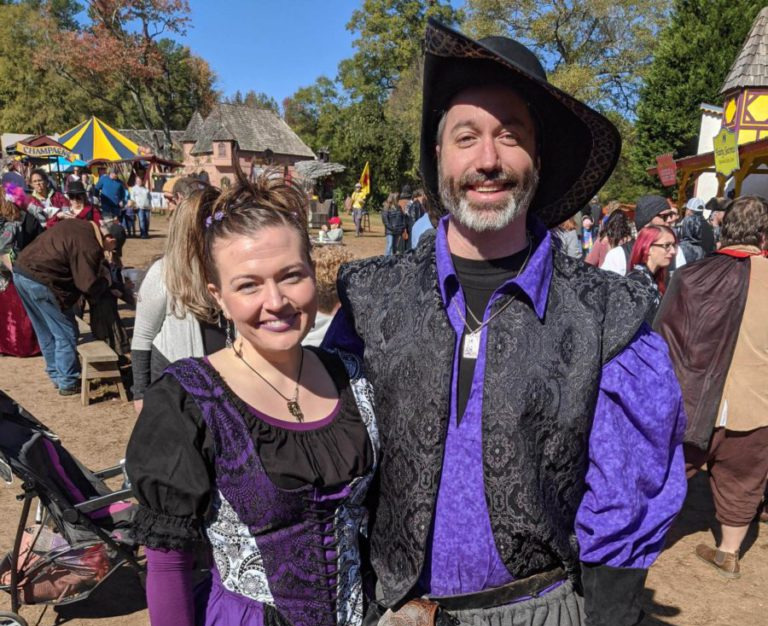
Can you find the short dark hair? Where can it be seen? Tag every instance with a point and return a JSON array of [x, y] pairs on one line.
[[746, 223]]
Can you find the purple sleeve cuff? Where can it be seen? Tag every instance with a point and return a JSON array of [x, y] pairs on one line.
[[636, 476], [342, 335], [169, 587]]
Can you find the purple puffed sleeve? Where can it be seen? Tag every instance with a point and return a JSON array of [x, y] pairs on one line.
[[636, 477]]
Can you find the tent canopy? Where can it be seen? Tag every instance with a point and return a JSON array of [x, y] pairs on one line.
[[94, 140]]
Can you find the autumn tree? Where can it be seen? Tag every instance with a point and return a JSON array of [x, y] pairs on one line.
[[125, 51]]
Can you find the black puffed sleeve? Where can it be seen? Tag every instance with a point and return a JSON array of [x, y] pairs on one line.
[[169, 464]]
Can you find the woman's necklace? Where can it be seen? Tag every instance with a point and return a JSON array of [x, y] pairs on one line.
[[293, 403]]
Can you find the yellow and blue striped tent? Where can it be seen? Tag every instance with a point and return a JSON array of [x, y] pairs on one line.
[[94, 140]]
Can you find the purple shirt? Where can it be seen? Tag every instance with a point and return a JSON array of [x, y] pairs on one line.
[[635, 479]]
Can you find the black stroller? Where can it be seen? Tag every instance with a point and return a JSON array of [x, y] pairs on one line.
[[80, 534]]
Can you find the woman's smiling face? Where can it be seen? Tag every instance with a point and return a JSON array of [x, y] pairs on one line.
[[266, 287]]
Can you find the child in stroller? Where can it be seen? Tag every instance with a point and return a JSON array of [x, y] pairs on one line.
[[81, 533]]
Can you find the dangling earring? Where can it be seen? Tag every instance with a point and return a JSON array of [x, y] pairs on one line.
[[229, 325]]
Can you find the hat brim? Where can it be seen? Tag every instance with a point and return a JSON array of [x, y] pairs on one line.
[[578, 146]]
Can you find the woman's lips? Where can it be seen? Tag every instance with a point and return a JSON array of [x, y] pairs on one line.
[[279, 325]]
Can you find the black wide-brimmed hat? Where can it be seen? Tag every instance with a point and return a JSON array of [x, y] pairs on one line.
[[76, 188], [578, 147]]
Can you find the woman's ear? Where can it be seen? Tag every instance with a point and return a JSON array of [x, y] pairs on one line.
[[216, 294]]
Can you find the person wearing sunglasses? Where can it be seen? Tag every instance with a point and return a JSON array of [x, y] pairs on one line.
[[652, 254]]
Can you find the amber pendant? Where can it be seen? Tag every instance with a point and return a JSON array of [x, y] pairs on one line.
[[295, 410]]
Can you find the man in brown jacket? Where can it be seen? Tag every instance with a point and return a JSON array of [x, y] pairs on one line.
[[50, 275], [713, 318]]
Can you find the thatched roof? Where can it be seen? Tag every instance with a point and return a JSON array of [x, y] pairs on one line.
[[750, 69], [255, 130], [313, 170]]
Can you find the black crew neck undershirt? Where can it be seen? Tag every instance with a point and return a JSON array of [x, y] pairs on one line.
[[479, 280]]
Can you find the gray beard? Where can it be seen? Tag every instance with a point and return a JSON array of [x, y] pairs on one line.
[[491, 217]]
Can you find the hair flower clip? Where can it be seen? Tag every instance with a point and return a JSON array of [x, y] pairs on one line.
[[218, 216]]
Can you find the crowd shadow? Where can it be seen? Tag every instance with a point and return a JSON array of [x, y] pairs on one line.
[[121, 594]]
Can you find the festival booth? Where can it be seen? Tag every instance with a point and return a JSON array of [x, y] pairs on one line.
[[42, 151], [733, 154], [101, 146], [317, 179]]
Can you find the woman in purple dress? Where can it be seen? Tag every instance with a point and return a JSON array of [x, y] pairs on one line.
[[262, 452]]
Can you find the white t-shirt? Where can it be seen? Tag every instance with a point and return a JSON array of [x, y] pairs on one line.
[[616, 261], [141, 197]]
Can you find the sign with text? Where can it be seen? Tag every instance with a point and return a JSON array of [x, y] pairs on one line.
[[667, 169], [726, 152]]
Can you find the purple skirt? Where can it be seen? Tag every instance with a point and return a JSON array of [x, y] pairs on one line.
[[215, 605]]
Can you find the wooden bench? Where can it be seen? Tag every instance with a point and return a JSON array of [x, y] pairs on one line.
[[98, 361]]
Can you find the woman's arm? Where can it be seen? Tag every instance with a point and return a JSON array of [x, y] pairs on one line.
[[151, 307]]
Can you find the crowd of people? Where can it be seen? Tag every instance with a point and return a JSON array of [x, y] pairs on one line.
[[490, 424]]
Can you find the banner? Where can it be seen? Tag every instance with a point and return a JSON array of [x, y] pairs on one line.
[[726, 152], [41, 151], [667, 169], [365, 180]]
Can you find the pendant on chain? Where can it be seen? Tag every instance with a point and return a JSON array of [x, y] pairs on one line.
[[295, 410], [471, 345]]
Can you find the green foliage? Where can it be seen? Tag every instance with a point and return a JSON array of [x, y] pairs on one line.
[[257, 100], [390, 34], [692, 60], [596, 50]]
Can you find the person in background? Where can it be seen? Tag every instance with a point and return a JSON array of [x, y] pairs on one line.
[[566, 234], [262, 452], [77, 175], [615, 232], [698, 230], [713, 319], [717, 208], [394, 224], [587, 235], [78, 203], [327, 261], [17, 337], [142, 202], [51, 274], [48, 202], [112, 194], [404, 201], [424, 224], [11, 174], [652, 254], [358, 201], [649, 209], [333, 231], [175, 316]]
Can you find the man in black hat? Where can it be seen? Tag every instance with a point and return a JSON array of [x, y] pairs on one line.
[[531, 458]]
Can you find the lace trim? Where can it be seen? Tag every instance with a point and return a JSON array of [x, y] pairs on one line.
[[157, 530]]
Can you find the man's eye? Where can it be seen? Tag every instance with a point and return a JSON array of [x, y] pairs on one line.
[[463, 140], [292, 277], [509, 139]]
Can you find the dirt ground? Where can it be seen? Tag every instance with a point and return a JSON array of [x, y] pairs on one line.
[[680, 590]]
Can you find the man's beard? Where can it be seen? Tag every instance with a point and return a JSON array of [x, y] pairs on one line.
[[488, 216]]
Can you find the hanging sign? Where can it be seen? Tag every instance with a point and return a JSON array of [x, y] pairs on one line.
[[41, 151], [726, 152], [667, 169]]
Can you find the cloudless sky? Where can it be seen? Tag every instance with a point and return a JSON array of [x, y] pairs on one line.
[[274, 46]]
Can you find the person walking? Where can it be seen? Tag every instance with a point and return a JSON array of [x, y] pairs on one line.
[[112, 195], [51, 274], [519, 393], [393, 219], [142, 203], [358, 201], [713, 319]]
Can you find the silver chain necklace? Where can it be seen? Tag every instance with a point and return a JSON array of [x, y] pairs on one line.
[[471, 340], [292, 403]]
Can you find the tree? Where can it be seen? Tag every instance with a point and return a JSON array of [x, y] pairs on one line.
[[125, 62], [694, 55], [257, 100], [596, 50], [313, 112], [390, 38]]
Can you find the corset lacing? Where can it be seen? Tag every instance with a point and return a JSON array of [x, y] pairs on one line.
[[322, 515]]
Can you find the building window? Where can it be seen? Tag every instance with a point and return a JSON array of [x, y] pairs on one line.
[[222, 147]]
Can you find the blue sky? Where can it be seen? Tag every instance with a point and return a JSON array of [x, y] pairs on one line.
[[274, 46]]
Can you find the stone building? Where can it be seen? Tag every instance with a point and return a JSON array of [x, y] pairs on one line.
[[262, 139]]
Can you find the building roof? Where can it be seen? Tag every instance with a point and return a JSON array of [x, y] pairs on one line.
[[143, 137], [255, 130], [193, 128], [750, 69]]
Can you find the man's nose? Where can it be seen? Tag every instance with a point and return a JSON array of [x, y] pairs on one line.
[[488, 157]]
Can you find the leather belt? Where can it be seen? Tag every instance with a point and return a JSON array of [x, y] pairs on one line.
[[506, 594]]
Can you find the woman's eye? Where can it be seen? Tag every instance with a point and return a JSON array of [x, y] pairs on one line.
[[292, 277], [246, 287]]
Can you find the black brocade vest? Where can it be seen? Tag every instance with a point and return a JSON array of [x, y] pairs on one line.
[[539, 395]]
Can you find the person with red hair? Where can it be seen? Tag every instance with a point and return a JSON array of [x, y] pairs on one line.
[[653, 252]]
